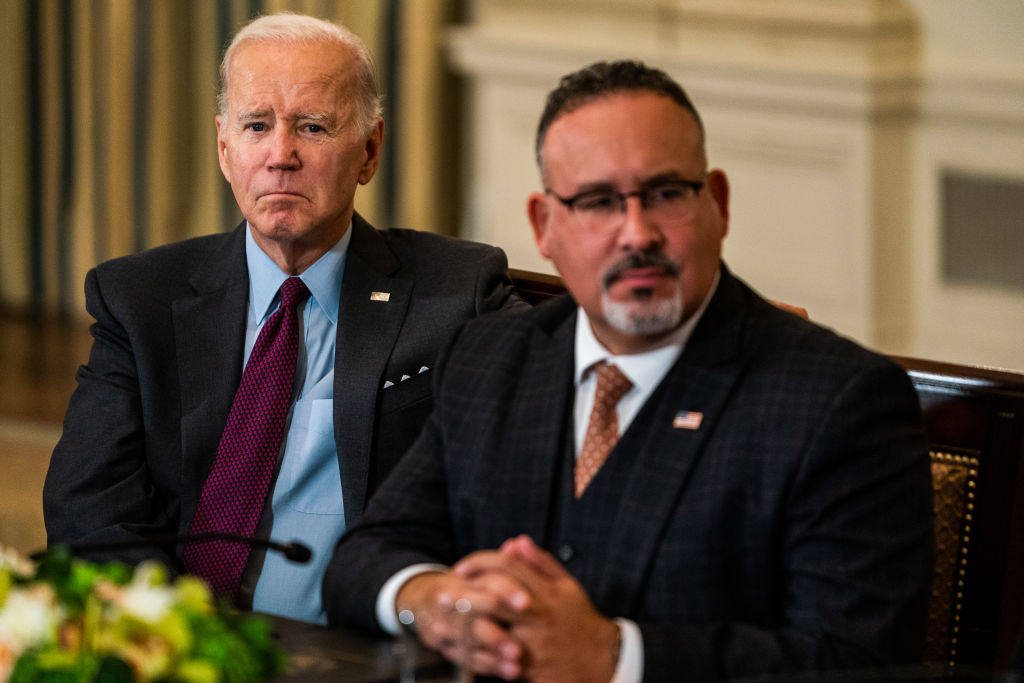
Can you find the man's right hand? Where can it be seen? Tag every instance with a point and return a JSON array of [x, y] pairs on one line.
[[464, 618]]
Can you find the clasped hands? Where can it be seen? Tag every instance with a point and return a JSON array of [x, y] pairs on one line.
[[520, 615]]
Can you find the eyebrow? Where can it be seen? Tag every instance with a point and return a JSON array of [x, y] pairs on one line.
[[254, 115], [605, 186], [319, 117], [257, 114], [670, 176]]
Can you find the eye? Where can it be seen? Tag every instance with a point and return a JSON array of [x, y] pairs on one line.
[[597, 202], [256, 126], [667, 192], [314, 128]]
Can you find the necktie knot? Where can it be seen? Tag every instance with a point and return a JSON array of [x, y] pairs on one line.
[[293, 292], [612, 384]]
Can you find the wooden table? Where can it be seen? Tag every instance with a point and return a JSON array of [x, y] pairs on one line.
[[318, 654]]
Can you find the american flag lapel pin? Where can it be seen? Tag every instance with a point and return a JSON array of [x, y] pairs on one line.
[[380, 296], [687, 419]]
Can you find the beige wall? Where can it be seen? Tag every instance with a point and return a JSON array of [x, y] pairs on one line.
[[835, 120]]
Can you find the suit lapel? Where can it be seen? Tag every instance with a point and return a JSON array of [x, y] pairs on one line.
[[702, 380], [367, 331], [539, 422], [209, 330]]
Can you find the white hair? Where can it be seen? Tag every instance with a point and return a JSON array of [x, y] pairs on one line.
[[289, 27]]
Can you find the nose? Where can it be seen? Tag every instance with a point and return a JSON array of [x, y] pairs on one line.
[[283, 154], [638, 231]]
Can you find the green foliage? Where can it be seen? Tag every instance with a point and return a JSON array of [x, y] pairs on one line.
[[77, 622]]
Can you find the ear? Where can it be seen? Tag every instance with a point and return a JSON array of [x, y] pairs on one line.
[[718, 189], [538, 210], [372, 149], [222, 148]]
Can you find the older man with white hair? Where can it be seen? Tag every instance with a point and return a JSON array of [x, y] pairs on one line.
[[335, 323]]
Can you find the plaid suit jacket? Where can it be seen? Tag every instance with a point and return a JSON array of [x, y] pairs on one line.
[[791, 530]]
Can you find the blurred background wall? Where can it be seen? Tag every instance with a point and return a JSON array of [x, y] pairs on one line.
[[876, 147]]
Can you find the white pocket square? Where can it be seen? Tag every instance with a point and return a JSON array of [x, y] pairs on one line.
[[389, 383]]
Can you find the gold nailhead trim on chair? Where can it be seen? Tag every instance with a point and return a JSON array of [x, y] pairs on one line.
[[965, 467]]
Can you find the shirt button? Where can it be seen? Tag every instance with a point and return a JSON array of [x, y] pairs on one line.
[[565, 552]]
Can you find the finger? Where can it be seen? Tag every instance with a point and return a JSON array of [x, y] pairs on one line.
[[533, 572], [486, 664], [483, 646], [480, 562], [539, 559], [439, 631], [493, 586], [493, 637], [510, 542], [521, 548], [439, 621], [494, 594], [493, 651], [483, 663]]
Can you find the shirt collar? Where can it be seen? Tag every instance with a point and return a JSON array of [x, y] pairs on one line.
[[641, 368], [323, 278]]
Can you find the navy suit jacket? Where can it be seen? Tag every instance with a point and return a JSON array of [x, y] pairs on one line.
[[143, 425], [790, 530]]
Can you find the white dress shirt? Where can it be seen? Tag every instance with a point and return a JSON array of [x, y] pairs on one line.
[[645, 370]]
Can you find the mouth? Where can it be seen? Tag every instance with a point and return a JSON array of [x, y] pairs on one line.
[[281, 194], [641, 278]]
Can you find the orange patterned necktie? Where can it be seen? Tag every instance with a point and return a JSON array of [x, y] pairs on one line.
[[603, 430]]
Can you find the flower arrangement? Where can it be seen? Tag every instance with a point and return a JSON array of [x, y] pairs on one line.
[[68, 620]]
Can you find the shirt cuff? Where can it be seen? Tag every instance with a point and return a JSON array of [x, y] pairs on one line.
[[387, 617], [630, 668]]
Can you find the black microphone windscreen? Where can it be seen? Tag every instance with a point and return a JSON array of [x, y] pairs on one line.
[[297, 552]]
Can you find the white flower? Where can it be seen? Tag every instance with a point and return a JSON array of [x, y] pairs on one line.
[[144, 598], [12, 561], [29, 617]]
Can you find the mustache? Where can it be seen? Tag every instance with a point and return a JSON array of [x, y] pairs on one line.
[[640, 259]]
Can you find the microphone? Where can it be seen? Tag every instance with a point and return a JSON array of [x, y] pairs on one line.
[[293, 551]]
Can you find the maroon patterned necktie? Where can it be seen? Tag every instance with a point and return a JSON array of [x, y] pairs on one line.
[[236, 488]]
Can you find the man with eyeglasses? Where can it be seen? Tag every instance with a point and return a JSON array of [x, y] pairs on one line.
[[748, 494]]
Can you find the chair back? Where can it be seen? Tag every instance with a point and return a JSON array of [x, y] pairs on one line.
[[974, 421]]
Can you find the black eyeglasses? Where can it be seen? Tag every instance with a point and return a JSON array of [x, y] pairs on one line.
[[674, 200]]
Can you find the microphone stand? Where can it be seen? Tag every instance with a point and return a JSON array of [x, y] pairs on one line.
[[293, 551]]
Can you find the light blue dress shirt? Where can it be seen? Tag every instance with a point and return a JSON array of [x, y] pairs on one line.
[[307, 504]]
